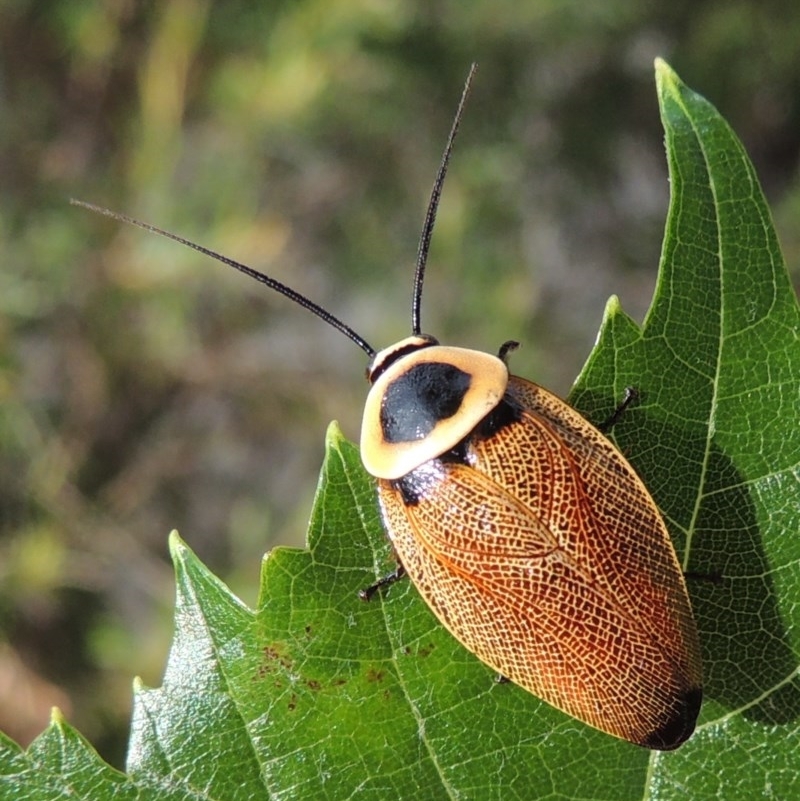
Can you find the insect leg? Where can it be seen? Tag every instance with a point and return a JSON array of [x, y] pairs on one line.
[[710, 578], [505, 349], [631, 396], [366, 594]]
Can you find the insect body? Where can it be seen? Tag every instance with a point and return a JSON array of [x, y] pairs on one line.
[[536, 544], [524, 529]]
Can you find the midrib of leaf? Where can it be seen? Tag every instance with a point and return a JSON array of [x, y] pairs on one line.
[[663, 80]]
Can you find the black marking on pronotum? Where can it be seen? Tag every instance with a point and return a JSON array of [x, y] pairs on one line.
[[420, 398]]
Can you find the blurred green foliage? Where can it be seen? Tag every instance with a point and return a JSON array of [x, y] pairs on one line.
[[145, 388]]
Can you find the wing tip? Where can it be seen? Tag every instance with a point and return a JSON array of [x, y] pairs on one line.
[[679, 727]]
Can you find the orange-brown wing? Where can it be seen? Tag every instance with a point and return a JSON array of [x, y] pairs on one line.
[[547, 558]]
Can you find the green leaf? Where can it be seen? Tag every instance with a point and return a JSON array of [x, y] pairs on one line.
[[318, 695], [717, 440]]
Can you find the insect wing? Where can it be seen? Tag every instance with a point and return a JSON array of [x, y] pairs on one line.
[[543, 554]]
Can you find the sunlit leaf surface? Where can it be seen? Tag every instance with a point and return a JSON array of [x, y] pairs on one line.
[[318, 695]]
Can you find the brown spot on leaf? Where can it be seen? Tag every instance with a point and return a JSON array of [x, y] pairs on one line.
[[275, 656], [425, 650], [374, 674]]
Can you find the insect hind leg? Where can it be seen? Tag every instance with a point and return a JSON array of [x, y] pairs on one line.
[[631, 396], [368, 593]]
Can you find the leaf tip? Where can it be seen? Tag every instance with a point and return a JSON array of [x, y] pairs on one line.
[[176, 545], [57, 717], [336, 443], [334, 438], [612, 309], [334, 435], [661, 66], [667, 79]]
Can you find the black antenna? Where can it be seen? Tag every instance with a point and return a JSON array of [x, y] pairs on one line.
[[433, 205], [301, 300]]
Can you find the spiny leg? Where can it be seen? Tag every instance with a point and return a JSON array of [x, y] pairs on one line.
[[386, 581]]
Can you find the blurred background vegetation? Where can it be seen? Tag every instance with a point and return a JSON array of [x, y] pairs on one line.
[[145, 387]]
